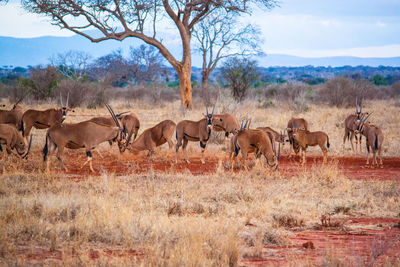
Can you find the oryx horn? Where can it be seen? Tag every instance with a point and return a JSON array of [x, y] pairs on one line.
[[67, 100], [113, 115], [62, 105]]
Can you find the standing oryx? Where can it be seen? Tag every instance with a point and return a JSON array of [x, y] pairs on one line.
[[154, 137], [194, 131], [306, 138], [254, 141], [12, 139], [349, 127], [44, 119], [294, 124], [84, 134], [225, 123], [374, 139]]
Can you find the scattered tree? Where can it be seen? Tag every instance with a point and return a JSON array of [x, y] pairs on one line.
[[71, 64], [41, 83], [240, 73], [141, 19], [219, 36]]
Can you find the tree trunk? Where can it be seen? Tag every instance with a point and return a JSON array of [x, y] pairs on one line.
[[204, 83], [185, 86]]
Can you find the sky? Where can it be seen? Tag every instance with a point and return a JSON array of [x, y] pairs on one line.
[[308, 28]]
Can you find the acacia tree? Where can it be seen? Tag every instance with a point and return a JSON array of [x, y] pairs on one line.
[[72, 63], [219, 36], [120, 19]]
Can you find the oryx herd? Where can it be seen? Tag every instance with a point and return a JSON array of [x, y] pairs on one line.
[[15, 125]]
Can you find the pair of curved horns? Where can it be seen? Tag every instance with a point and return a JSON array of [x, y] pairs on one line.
[[62, 105], [113, 115], [212, 113], [358, 111], [22, 98]]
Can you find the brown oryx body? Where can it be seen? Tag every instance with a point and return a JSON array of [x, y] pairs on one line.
[[294, 124], [374, 139], [254, 141], [13, 116], [225, 123], [84, 134], [273, 135], [306, 138], [153, 137], [130, 126], [194, 131], [12, 139], [42, 119], [350, 130]]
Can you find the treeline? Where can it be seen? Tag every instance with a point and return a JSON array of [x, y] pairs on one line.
[[143, 75]]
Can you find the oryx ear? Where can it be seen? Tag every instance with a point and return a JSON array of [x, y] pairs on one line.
[[288, 129]]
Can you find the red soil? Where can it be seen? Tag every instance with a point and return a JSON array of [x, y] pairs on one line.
[[351, 167], [359, 242]]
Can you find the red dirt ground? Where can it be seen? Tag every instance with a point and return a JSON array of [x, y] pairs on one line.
[[359, 242], [351, 167]]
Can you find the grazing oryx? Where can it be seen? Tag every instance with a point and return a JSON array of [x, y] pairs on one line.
[[194, 131], [84, 134], [14, 116], [306, 138], [130, 125], [254, 141], [44, 119], [11, 138], [154, 137], [374, 139], [273, 135], [293, 124], [349, 127], [225, 123]]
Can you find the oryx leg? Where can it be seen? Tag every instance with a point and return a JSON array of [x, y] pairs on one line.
[[325, 152], [60, 151], [303, 152], [203, 149], [185, 142], [177, 145], [367, 163], [170, 143], [88, 160], [98, 153], [380, 158], [360, 141], [244, 158], [346, 133], [27, 131]]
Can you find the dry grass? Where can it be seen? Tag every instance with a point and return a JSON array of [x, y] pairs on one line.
[[181, 219], [177, 219]]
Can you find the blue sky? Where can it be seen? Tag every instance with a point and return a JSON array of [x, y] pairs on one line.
[[312, 28]]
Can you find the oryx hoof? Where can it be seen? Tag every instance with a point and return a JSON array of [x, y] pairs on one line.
[[187, 161], [203, 162]]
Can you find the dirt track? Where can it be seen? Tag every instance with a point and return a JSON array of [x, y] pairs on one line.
[[351, 167]]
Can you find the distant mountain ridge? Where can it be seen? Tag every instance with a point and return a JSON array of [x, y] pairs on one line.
[[36, 51]]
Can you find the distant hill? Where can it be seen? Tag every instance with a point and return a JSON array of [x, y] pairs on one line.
[[35, 51]]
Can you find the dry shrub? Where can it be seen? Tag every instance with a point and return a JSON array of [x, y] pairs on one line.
[[287, 221], [150, 93], [342, 92], [296, 95], [79, 92], [396, 89]]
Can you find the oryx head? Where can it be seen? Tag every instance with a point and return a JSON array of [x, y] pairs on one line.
[[20, 146], [209, 117], [120, 138], [359, 124], [65, 108]]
